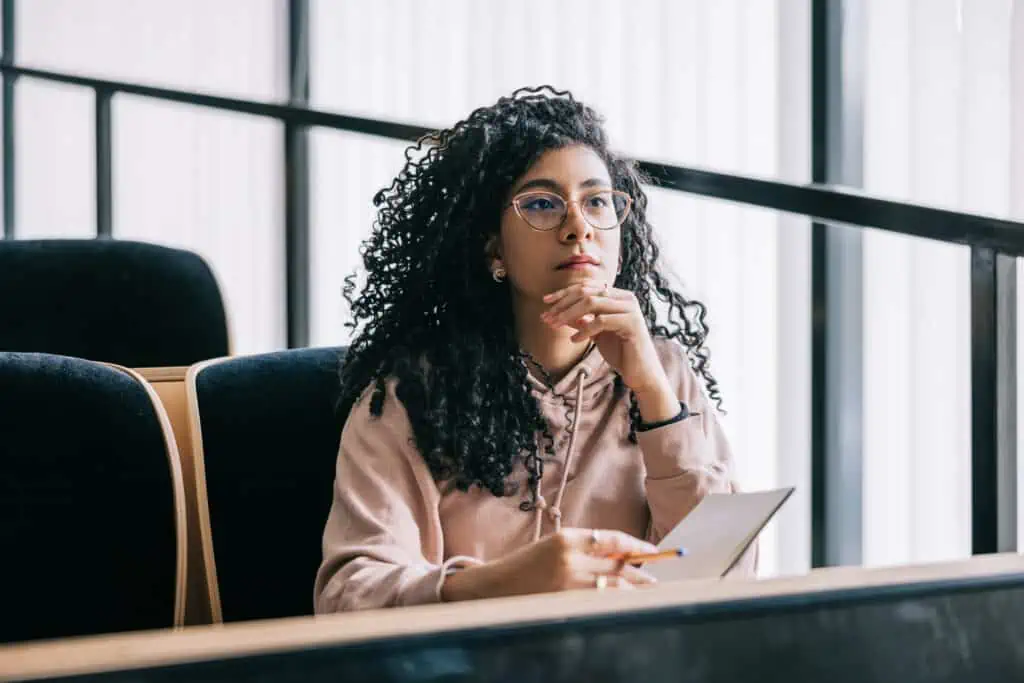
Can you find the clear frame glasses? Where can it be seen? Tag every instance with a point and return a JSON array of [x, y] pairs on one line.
[[545, 211]]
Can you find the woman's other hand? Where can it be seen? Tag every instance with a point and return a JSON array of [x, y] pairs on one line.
[[566, 560], [613, 320]]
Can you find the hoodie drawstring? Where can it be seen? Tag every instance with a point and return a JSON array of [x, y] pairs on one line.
[[555, 511]]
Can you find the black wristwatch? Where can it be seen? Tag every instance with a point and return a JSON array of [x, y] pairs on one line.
[[683, 413]]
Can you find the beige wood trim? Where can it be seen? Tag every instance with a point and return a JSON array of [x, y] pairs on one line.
[[178, 485], [159, 648], [169, 384], [202, 499], [175, 373]]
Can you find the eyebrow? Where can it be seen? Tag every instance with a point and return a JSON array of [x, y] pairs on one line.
[[549, 184]]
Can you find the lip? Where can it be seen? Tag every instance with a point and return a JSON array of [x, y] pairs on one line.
[[578, 261]]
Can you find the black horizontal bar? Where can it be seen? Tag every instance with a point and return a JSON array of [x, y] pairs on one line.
[[824, 203], [829, 204], [282, 112]]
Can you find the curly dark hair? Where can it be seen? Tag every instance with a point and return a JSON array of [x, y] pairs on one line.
[[431, 317]]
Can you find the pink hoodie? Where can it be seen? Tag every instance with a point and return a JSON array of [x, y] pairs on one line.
[[393, 532]]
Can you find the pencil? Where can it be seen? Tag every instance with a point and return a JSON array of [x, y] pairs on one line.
[[635, 558]]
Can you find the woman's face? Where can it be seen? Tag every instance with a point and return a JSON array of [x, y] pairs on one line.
[[572, 181]]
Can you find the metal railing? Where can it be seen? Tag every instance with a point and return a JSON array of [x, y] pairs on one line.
[[993, 243]]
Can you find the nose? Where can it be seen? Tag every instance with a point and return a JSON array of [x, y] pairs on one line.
[[575, 228]]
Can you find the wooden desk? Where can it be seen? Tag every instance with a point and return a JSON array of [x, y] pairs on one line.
[[706, 604]]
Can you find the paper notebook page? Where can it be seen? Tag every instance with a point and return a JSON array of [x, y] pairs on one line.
[[715, 533]]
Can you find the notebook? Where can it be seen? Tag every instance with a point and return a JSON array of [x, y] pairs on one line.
[[716, 533]]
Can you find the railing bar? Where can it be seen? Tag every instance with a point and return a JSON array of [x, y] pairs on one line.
[[993, 402], [824, 203], [296, 181], [830, 205], [7, 8], [104, 163], [284, 112]]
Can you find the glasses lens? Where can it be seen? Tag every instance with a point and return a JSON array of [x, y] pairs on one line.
[[605, 209], [542, 210]]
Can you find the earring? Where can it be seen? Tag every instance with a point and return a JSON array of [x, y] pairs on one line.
[[498, 273]]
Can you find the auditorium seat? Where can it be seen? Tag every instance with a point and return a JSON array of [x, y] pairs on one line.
[[130, 303], [265, 436], [92, 512]]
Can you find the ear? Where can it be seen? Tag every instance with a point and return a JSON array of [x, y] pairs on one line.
[[492, 250]]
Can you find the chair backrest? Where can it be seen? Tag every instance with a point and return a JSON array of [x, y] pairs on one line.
[[131, 303], [265, 436], [92, 512]]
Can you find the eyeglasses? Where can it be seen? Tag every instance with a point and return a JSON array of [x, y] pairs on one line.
[[545, 211]]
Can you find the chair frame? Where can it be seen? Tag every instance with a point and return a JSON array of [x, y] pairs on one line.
[[202, 500], [178, 491]]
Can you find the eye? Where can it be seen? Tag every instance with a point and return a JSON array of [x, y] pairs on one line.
[[599, 201], [539, 203]]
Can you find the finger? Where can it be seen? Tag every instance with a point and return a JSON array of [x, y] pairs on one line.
[[573, 294], [637, 576], [584, 579], [588, 304], [616, 582], [618, 300], [620, 294], [591, 286], [611, 322], [560, 293], [606, 566], [583, 563], [607, 542], [609, 566], [622, 583]]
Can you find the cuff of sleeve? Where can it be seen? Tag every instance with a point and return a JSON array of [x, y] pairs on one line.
[[426, 589], [684, 412], [674, 447]]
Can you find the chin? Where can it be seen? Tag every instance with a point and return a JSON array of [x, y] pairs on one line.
[[574, 275]]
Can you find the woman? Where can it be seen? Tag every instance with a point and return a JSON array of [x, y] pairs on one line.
[[516, 411]]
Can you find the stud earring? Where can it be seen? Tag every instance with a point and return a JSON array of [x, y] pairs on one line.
[[498, 273]]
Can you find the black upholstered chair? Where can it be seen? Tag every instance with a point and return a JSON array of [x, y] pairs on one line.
[[265, 437], [92, 511], [131, 303]]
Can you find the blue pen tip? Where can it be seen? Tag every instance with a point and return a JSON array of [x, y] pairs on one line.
[[680, 552]]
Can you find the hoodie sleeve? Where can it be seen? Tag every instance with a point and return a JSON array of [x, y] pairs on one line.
[[382, 543], [689, 459]]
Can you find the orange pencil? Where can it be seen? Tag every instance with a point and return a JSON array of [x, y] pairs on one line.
[[636, 558]]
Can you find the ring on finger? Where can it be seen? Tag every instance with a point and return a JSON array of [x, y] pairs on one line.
[[601, 582], [595, 538]]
